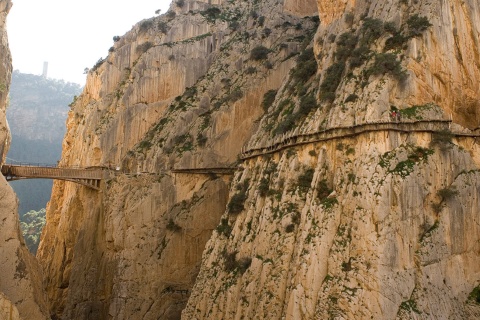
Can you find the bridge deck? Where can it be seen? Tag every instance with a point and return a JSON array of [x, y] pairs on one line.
[[294, 139], [89, 177], [222, 171]]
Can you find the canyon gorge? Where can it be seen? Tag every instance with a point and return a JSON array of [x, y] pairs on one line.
[[276, 159]]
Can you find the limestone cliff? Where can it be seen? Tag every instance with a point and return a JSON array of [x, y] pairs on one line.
[[357, 191], [359, 197], [179, 91], [21, 296], [8, 309]]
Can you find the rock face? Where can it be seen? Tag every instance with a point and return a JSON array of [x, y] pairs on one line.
[[178, 91], [20, 284], [8, 309], [337, 209], [373, 225]]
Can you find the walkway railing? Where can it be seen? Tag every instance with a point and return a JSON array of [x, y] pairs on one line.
[[217, 170], [295, 139], [89, 177]]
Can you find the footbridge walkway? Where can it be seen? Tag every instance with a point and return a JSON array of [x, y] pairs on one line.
[[295, 138], [92, 176]]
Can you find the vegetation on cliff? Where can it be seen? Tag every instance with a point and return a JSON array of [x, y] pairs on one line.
[[32, 224]]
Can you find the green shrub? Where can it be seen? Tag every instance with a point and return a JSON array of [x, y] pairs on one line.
[[442, 139], [211, 14], [172, 226], [307, 104], [372, 29], [145, 26], [236, 204], [230, 260], [328, 203], [232, 264], [474, 296], [306, 66], [98, 64], [447, 193], [268, 99], [251, 70], [409, 305], [305, 180], [390, 27], [349, 18], [351, 98], [261, 21], [395, 42], [162, 27], [259, 53], [323, 191], [235, 95], [201, 139], [345, 45], [359, 56], [224, 228], [171, 15], [417, 24], [331, 81], [243, 264], [263, 187], [387, 63], [290, 228], [144, 47], [145, 145], [287, 124]]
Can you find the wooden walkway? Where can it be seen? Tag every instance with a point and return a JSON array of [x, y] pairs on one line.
[[294, 139], [90, 177], [219, 170]]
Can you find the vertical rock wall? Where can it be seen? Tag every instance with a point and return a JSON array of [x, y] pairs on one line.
[[375, 225], [20, 284], [177, 91]]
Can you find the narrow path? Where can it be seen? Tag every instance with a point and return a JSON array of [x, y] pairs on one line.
[[294, 139]]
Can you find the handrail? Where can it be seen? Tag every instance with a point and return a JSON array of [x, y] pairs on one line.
[[294, 138]]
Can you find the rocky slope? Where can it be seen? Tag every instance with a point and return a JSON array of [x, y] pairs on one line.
[[20, 284], [379, 224]]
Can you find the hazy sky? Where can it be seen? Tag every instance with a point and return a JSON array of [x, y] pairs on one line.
[[70, 35]]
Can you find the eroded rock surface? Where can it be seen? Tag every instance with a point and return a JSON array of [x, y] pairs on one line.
[[372, 224], [177, 91]]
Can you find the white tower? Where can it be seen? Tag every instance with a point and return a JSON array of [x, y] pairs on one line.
[[45, 69]]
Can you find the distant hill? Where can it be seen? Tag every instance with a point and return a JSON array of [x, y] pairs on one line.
[[39, 106], [36, 115]]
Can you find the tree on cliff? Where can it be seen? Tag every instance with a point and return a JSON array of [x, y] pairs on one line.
[[32, 224]]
